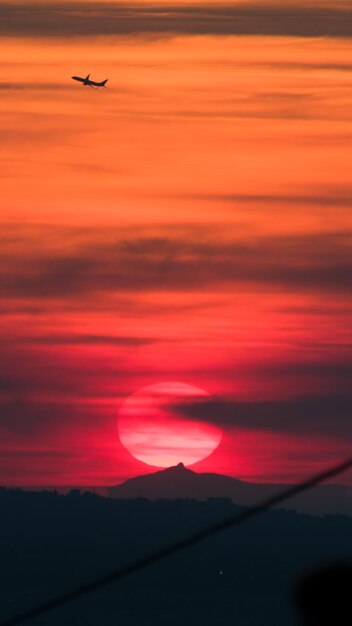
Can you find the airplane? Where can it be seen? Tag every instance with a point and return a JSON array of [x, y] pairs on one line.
[[91, 83]]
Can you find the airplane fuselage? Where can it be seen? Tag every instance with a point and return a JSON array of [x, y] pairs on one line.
[[87, 82]]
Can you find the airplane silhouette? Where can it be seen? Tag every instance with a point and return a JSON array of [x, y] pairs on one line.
[[91, 83]]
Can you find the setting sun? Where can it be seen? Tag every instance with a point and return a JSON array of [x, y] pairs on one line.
[[153, 432]]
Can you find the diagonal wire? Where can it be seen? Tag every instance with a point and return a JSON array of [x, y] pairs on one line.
[[178, 546]]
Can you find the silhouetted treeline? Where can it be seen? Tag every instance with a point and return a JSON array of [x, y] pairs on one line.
[[50, 542]]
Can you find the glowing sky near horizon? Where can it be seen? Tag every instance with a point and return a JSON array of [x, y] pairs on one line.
[[190, 223]]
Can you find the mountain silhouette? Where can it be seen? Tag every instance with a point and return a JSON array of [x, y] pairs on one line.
[[51, 543], [179, 482]]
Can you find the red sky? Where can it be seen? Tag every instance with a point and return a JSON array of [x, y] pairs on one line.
[[190, 223]]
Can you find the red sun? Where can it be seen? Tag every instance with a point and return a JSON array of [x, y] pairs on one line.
[[153, 431]]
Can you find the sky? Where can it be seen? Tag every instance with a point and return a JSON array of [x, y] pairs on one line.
[[190, 224]]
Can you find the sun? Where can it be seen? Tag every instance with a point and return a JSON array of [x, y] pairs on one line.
[[152, 429]]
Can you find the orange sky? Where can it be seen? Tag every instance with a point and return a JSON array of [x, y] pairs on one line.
[[192, 222]]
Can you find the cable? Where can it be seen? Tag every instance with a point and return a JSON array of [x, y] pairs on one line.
[[178, 546]]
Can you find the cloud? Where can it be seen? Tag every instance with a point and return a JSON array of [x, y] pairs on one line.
[[323, 415], [53, 389], [332, 198], [16, 86], [303, 66], [56, 19], [30, 373], [81, 339], [308, 262], [44, 391]]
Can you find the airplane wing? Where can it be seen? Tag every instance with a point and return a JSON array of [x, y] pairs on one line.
[[95, 84]]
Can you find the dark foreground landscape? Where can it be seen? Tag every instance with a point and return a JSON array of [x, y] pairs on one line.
[[50, 543]]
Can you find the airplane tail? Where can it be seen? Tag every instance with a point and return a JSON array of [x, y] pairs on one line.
[[104, 82]]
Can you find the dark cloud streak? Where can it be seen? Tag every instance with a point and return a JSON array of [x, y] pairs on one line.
[[323, 415], [86, 340], [319, 263], [7, 86], [59, 19], [335, 199]]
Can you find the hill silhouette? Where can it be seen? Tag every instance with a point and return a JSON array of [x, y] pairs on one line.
[[49, 543], [179, 482]]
